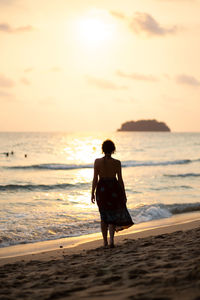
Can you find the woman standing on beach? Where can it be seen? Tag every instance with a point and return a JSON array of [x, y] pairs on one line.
[[110, 194]]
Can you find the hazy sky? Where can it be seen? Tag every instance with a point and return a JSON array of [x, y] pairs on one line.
[[71, 65]]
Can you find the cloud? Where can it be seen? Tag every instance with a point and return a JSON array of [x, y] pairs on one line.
[[25, 81], [137, 76], [125, 100], [104, 84], [6, 82], [27, 70], [187, 79], [145, 23], [167, 76], [55, 69], [7, 2], [6, 96], [117, 14], [5, 27]]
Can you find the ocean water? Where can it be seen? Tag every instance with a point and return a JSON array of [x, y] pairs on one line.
[[45, 184]]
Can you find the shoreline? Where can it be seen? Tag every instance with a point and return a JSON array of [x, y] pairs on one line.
[[53, 249]]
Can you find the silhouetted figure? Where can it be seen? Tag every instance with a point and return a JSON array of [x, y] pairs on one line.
[[110, 194], [7, 153], [12, 152], [25, 155]]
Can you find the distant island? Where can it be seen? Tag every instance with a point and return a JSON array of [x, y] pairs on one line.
[[144, 125]]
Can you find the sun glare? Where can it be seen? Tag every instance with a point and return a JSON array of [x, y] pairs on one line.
[[94, 30], [83, 151]]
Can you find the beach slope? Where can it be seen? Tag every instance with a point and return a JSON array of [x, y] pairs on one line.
[[159, 266]]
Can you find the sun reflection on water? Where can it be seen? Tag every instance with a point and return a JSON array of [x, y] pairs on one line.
[[83, 176], [83, 150]]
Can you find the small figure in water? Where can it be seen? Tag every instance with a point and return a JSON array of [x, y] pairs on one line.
[[25, 155], [110, 194]]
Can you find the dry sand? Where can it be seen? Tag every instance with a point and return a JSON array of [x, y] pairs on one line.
[[162, 263]]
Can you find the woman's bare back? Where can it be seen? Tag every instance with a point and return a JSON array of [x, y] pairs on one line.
[[107, 167]]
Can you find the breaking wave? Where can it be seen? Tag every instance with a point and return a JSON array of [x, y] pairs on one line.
[[125, 164], [144, 213], [38, 187], [183, 175], [159, 211]]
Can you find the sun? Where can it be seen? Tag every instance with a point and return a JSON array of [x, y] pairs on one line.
[[94, 30]]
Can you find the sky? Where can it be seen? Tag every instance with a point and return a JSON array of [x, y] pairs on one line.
[[91, 65]]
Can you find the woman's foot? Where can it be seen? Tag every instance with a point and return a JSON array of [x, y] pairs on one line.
[[112, 245], [105, 245]]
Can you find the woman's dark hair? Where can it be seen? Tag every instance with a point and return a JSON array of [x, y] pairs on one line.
[[108, 147]]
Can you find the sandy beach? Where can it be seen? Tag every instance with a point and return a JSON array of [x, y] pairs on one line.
[[161, 263]]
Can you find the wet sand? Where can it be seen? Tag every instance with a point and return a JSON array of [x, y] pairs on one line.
[[162, 263]]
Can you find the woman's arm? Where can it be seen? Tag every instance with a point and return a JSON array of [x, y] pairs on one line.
[[121, 182], [94, 182]]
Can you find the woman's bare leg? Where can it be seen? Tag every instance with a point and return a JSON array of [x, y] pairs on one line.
[[104, 230], [112, 233]]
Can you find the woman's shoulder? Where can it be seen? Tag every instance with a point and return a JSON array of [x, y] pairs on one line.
[[101, 159], [98, 160], [117, 161]]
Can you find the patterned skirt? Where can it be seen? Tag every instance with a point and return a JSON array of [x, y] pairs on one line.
[[111, 203]]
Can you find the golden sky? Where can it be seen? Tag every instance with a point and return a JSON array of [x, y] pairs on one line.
[[91, 65]]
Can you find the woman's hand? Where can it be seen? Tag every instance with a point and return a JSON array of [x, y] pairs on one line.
[[93, 198], [94, 182], [125, 199]]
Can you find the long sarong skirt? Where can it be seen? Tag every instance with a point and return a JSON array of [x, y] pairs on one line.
[[112, 205]]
